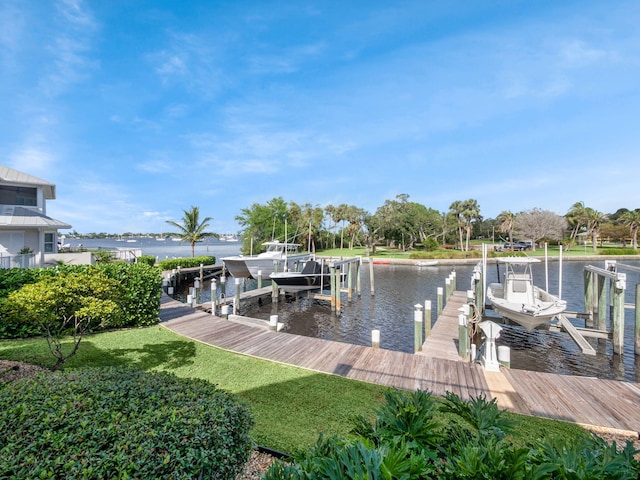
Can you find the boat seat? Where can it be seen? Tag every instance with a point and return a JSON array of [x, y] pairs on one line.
[[519, 286], [310, 267]]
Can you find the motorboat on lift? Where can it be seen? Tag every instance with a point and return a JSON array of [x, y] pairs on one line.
[[519, 300], [313, 275], [279, 256]]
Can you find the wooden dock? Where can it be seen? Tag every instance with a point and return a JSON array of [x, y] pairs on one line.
[[586, 401]]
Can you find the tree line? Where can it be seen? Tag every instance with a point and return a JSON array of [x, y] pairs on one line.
[[404, 224]]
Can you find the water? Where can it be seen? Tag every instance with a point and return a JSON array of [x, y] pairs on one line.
[[161, 249], [398, 288]]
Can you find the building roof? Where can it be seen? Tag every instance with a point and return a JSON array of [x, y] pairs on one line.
[[14, 177], [14, 216]]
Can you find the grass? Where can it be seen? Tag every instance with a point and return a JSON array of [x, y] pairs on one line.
[[291, 406]]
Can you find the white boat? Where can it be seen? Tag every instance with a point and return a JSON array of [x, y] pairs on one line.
[[279, 256], [519, 300]]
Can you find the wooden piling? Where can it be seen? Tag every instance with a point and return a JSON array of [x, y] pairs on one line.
[[427, 318], [236, 299], [618, 287], [588, 296], [440, 302], [417, 328], [371, 280], [214, 296], [358, 280], [375, 338]]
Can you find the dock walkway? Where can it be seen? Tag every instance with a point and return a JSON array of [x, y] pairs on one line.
[[587, 401]]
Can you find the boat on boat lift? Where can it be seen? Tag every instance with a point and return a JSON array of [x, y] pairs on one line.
[[313, 275], [279, 256], [519, 300]]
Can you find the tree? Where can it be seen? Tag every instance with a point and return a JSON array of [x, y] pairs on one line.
[[465, 213], [631, 218], [67, 304], [507, 219], [537, 224], [192, 230], [263, 223]]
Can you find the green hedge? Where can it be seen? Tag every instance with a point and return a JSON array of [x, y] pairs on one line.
[[140, 303], [148, 259], [186, 262], [617, 251], [121, 423]]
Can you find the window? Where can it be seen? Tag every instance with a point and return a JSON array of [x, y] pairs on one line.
[[49, 242], [24, 196]]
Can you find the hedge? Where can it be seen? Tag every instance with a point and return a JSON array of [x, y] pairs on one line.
[[186, 262], [140, 303], [121, 423]]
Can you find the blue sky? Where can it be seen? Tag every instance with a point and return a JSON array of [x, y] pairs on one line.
[[138, 110]]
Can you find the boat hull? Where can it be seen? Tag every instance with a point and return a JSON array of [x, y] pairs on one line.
[[529, 316]]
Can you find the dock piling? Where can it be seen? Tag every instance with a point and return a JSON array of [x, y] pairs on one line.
[[417, 327]]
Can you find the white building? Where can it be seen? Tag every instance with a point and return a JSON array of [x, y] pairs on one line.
[[27, 234]]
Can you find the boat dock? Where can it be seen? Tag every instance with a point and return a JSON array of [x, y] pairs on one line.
[[603, 404]]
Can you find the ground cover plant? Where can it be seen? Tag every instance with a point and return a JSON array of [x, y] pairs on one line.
[[408, 439], [120, 423]]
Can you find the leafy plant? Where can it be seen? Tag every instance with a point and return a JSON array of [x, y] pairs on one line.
[[66, 305], [483, 416], [121, 423], [171, 263]]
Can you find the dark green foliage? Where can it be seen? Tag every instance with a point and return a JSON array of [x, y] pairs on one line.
[[120, 423], [407, 441], [142, 287], [482, 416], [404, 417], [171, 263], [139, 291], [147, 259], [591, 459], [617, 251]]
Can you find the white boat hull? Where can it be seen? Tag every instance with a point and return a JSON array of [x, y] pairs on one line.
[[545, 308]]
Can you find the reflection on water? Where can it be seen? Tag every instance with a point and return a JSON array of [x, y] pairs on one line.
[[398, 288]]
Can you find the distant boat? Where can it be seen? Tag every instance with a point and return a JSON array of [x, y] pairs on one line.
[[519, 300], [279, 256], [426, 263]]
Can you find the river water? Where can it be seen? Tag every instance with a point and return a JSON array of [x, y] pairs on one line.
[[399, 287]]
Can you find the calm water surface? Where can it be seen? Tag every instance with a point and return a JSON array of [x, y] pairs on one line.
[[398, 288]]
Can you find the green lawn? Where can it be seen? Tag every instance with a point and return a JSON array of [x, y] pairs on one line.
[[291, 406]]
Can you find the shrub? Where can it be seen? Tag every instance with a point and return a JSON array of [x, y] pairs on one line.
[[139, 291], [70, 304], [408, 440], [186, 262], [147, 259], [121, 423], [617, 251]]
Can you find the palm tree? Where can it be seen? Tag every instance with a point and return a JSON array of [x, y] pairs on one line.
[[594, 220], [191, 229], [576, 216], [465, 212], [507, 221], [631, 219]]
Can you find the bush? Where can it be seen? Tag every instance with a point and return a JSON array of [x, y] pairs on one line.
[[617, 251], [147, 259], [140, 286], [186, 262], [408, 439], [121, 423]]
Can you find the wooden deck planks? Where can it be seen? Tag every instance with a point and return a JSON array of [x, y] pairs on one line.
[[582, 400]]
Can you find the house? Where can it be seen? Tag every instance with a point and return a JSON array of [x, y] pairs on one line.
[[27, 234]]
